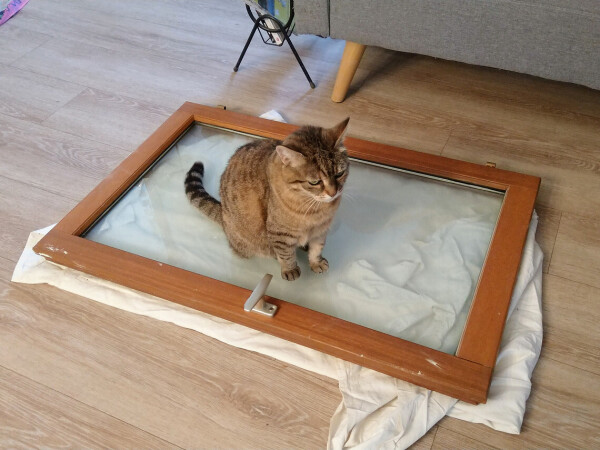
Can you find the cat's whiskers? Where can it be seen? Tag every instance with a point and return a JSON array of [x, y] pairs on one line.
[[306, 202], [314, 202], [349, 195], [310, 205]]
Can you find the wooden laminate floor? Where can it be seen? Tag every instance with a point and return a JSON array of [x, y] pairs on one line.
[[82, 83]]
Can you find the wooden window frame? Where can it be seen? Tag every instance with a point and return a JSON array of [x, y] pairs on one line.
[[465, 375]]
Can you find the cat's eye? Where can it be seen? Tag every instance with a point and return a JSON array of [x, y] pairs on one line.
[[340, 173], [313, 182]]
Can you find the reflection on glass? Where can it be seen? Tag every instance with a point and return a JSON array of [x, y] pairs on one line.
[[405, 252]]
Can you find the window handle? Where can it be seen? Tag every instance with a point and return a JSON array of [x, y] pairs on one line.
[[256, 302]]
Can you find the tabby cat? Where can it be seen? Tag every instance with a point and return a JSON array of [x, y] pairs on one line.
[[279, 195]]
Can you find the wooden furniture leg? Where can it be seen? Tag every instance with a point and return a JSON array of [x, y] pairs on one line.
[[350, 59]]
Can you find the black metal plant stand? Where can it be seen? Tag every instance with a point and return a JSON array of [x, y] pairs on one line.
[[282, 30]]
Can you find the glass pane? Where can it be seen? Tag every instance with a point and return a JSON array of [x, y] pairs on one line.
[[405, 251]]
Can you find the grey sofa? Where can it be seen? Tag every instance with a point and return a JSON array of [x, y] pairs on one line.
[[554, 39]]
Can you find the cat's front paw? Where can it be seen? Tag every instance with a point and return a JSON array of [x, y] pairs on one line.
[[291, 274], [320, 266]]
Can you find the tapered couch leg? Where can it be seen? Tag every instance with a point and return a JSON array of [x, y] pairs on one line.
[[350, 59]]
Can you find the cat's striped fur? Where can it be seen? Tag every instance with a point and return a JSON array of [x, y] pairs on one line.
[[198, 196], [279, 195]]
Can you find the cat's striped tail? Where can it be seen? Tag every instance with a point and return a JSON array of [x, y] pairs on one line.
[[198, 196]]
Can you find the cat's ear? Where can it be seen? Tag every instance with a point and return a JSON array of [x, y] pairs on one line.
[[339, 131], [290, 157]]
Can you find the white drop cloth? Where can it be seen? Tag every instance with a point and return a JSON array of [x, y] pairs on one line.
[[377, 411]]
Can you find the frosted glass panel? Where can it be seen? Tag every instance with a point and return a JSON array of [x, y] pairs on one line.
[[404, 251]]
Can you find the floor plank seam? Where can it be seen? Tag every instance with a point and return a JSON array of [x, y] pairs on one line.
[[591, 286], [550, 357], [43, 125], [83, 88], [116, 147], [469, 437], [557, 275], [50, 388], [13, 62], [27, 71], [56, 194], [128, 97], [11, 65], [435, 432], [137, 19], [63, 38], [560, 215], [9, 260], [447, 140], [135, 51]]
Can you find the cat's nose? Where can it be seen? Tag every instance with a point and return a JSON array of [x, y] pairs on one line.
[[331, 190]]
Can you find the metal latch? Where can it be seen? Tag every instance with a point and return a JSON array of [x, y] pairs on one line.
[[256, 301]]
